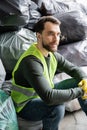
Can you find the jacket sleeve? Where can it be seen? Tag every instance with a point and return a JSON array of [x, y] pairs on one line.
[[31, 71], [69, 68]]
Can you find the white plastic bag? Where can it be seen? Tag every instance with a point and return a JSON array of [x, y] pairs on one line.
[[2, 73], [8, 119]]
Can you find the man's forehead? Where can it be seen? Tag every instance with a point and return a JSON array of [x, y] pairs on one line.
[[51, 26]]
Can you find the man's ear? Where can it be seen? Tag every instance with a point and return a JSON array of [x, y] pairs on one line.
[[38, 36]]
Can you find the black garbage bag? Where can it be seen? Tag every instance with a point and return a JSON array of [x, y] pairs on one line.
[[75, 52], [83, 5], [34, 14], [8, 118], [13, 44], [50, 7], [73, 26], [14, 14]]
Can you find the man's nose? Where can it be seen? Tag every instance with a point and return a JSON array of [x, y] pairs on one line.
[[56, 37]]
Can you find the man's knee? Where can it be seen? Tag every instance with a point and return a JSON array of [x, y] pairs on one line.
[[59, 111]]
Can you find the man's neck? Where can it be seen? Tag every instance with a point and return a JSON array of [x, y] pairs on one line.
[[43, 51]]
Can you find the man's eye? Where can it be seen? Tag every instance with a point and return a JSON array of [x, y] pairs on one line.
[[50, 33]]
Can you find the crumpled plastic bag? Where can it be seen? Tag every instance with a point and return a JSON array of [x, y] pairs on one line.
[[73, 26], [74, 51], [2, 73], [13, 44], [14, 14], [8, 119]]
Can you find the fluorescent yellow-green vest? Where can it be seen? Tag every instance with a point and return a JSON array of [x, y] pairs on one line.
[[20, 94]]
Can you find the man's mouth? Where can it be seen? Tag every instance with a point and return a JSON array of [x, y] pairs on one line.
[[53, 45]]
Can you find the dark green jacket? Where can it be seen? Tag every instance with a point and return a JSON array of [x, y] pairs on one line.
[[30, 74]]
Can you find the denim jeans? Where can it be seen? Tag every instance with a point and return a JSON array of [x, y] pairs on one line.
[[36, 110], [51, 116], [72, 83]]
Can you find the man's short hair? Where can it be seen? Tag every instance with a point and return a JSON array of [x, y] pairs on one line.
[[39, 26]]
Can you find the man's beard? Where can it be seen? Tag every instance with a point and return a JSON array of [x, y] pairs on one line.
[[48, 48]]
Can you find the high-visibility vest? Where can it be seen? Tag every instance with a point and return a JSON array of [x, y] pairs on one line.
[[20, 94]]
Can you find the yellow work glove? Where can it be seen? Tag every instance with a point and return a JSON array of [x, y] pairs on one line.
[[83, 85]]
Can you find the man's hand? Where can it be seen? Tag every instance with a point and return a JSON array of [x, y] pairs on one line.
[[83, 85], [84, 96]]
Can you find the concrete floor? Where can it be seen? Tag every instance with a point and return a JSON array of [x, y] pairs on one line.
[[74, 121]]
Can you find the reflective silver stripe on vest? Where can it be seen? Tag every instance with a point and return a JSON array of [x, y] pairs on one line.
[[22, 103], [9, 86], [23, 91]]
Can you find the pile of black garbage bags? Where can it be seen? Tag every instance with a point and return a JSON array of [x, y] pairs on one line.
[[17, 18]]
